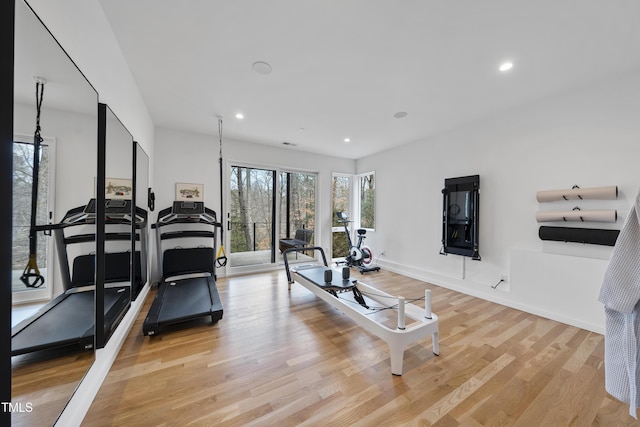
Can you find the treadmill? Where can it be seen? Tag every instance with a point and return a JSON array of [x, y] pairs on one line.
[[187, 290], [67, 321]]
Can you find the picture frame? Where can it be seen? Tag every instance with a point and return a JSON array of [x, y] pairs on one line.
[[189, 192], [118, 188]]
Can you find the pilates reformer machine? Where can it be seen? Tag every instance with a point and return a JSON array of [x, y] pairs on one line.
[[329, 284]]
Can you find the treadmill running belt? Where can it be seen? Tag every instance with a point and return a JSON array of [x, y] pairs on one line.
[[187, 299], [70, 321]]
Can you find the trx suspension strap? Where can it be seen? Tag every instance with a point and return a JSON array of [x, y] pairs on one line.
[[31, 276], [221, 257]]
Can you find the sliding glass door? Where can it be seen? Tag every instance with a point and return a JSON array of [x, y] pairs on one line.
[[267, 205], [297, 213], [252, 216], [297, 204]]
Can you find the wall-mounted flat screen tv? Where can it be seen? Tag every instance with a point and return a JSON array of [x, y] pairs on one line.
[[460, 208]]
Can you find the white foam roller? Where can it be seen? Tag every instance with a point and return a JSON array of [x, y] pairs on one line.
[[600, 215], [610, 192]]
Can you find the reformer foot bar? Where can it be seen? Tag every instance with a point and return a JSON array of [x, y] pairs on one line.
[[326, 286]]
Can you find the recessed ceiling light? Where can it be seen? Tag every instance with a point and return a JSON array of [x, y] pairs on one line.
[[239, 116], [261, 67], [400, 114], [347, 140], [506, 66]]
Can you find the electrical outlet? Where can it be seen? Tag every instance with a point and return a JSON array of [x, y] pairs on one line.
[[504, 277]]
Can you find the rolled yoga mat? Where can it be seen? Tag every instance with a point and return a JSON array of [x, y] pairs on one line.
[[600, 215], [594, 236], [610, 192]]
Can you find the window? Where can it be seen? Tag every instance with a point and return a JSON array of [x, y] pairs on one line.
[[252, 212], [341, 200], [266, 205], [356, 196], [297, 203], [367, 194], [22, 183]]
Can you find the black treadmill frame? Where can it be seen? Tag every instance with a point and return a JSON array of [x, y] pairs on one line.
[[178, 297]]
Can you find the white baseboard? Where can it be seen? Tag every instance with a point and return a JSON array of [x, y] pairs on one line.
[[481, 290]]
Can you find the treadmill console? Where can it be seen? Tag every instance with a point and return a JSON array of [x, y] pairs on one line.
[[111, 207], [186, 212], [188, 208], [116, 210]]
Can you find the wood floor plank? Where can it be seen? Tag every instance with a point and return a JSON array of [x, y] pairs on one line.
[[285, 357]]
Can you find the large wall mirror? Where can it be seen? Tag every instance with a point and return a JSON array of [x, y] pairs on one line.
[[53, 300]]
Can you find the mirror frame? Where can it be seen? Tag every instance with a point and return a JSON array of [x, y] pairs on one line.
[[100, 336], [7, 12], [106, 119], [141, 203]]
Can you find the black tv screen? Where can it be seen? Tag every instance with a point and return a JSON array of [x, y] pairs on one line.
[[460, 207]]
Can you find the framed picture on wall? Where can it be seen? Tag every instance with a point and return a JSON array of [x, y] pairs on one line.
[[116, 188], [190, 192]]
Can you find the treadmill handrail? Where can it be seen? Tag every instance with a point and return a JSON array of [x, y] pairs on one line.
[[85, 238], [186, 233], [190, 219], [169, 216], [80, 216]]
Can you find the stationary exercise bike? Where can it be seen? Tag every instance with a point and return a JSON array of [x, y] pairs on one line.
[[359, 256]]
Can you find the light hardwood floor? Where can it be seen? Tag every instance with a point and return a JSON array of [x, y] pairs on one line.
[[45, 381], [287, 358]]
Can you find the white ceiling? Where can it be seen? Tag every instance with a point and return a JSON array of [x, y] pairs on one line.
[[343, 68]]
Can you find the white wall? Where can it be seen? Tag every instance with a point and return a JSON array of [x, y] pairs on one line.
[[82, 29], [193, 158], [589, 137]]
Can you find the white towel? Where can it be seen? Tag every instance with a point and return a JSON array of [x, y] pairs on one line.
[[620, 293]]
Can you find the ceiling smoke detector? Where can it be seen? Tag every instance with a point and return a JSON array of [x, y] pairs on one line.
[[261, 67]]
